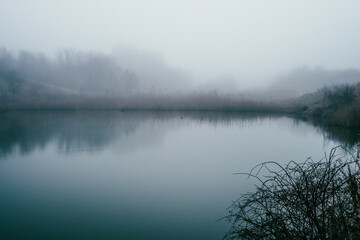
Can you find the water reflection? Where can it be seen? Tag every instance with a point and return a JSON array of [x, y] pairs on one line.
[[93, 130], [347, 137], [136, 175], [90, 130]]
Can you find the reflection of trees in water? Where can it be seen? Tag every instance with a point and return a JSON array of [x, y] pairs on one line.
[[87, 130], [22, 131], [92, 130], [91, 133], [347, 137]]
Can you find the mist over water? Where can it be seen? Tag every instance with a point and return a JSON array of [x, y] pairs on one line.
[[128, 119]]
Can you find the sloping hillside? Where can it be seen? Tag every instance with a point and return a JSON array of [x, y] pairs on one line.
[[304, 80], [339, 105]]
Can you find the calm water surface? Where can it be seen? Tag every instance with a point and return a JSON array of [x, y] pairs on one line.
[[133, 175]]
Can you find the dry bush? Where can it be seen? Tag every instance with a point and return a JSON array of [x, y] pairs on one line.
[[311, 200]]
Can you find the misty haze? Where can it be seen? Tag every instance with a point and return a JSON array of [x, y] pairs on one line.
[[179, 119]]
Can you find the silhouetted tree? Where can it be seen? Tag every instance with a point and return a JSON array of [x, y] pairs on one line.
[[310, 201], [340, 94]]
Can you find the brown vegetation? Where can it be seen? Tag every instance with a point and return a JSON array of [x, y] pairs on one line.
[[196, 101], [77, 80], [338, 105]]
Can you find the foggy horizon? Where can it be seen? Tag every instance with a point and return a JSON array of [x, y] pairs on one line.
[[193, 119], [246, 43]]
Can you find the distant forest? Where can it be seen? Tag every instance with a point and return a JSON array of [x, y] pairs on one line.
[[71, 72], [85, 80]]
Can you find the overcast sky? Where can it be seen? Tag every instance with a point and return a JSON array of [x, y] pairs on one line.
[[250, 40]]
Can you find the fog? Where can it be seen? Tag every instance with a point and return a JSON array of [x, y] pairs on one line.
[[127, 119], [249, 42]]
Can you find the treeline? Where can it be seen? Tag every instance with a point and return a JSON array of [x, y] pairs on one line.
[[26, 75]]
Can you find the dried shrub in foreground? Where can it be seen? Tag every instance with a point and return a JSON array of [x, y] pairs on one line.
[[312, 200]]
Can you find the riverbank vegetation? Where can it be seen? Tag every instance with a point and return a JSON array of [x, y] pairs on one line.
[[338, 105], [311, 200], [333, 106], [83, 80]]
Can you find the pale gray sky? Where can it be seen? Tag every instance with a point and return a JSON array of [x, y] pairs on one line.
[[250, 40]]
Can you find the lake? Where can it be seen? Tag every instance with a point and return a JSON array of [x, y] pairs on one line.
[[139, 175]]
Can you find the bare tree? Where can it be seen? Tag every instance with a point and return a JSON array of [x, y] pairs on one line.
[[343, 94]]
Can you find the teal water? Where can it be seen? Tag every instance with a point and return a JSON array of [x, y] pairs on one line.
[[138, 175]]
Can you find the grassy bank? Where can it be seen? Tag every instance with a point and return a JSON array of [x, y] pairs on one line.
[[196, 101], [336, 106]]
